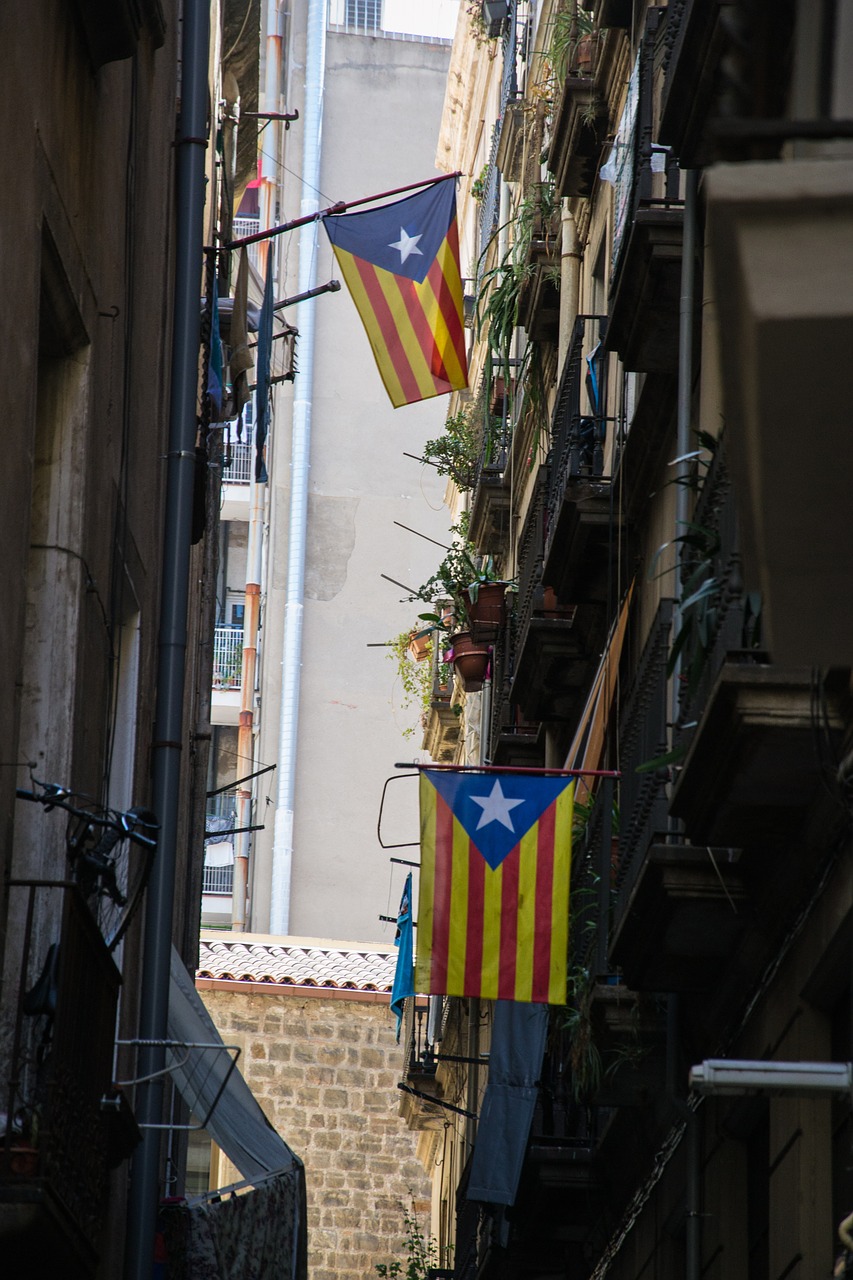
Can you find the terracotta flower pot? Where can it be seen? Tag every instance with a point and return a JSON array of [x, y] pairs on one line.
[[420, 645], [470, 660], [487, 613]]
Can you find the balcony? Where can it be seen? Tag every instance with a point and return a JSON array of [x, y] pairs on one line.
[[227, 675], [539, 294], [565, 546], [247, 227], [579, 137], [218, 871], [751, 770], [747, 726], [554, 656], [444, 718], [695, 42], [678, 911], [799, 212], [646, 282], [685, 915], [489, 519], [419, 1084], [645, 296], [238, 461], [722, 74], [579, 516], [227, 657], [57, 1140]]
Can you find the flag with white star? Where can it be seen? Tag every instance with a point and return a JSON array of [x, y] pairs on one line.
[[493, 913], [401, 265]]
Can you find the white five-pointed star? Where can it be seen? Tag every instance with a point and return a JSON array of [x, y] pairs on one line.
[[496, 807], [406, 245]]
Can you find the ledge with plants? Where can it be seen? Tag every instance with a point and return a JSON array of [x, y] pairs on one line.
[[467, 598]]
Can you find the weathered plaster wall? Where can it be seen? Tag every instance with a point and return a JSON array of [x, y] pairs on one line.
[[325, 1071]]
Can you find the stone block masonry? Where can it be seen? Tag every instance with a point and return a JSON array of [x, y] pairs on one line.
[[324, 1068]]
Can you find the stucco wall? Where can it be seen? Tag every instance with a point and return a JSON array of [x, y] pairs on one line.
[[325, 1071], [381, 111]]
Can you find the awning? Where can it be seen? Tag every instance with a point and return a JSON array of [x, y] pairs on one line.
[[237, 1125], [515, 1065]]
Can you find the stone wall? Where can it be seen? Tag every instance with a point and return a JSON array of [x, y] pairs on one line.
[[325, 1071]]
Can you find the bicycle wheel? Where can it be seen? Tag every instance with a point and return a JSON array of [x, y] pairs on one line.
[[112, 864], [131, 868]]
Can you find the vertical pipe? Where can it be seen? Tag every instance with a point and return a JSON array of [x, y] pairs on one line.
[[246, 730], [686, 311], [168, 723], [300, 465], [693, 1198], [602, 942], [268, 214], [473, 1090], [570, 279]]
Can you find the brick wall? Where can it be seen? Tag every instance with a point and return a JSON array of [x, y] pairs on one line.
[[325, 1071]]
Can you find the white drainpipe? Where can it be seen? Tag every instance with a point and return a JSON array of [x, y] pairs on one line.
[[282, 863]]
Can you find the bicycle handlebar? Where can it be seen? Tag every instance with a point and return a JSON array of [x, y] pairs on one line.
[[116, 825]]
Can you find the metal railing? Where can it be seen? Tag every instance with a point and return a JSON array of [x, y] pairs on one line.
[[223, 805], [578, 437], [531, 556], [218, 880], [247, 227], [731, 631], [643, 804], [228, 657], [238, 459], [638, 157], [418, 1053]]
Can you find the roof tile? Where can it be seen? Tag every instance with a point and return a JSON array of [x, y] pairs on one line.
[[297, 964]]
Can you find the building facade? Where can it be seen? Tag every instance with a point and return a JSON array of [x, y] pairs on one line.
[[657, 225], [347, 502], [320, 1054], [111, 525]]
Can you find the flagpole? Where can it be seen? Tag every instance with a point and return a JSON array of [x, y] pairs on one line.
[[340, 206], [500, 768]]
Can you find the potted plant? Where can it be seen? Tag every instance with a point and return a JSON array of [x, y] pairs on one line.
[[486, 595], [470, 659], [456, 450], [573, 43]]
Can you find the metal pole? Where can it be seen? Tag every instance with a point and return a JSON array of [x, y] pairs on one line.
[[340, 207], [686, 309], [168, 725], [300, 460]]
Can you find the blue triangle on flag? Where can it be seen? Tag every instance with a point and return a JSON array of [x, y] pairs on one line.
[[496, 809]]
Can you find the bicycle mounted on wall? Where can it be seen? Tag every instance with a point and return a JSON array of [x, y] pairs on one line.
[[110, 852]]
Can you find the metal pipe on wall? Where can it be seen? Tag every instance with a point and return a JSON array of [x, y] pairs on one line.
[[171, 670], [282, 862], [268, 213], [246, 730]]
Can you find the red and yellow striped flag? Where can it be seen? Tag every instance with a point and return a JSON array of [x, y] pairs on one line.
[[493, 906], [401, 265]]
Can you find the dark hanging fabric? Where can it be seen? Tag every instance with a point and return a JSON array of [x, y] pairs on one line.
[[515, 1065]]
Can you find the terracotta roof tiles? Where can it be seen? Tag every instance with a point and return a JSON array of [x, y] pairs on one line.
[[297, 962]]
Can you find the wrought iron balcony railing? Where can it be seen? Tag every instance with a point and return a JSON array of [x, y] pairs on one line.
[[579, 424], [227, 657], [643, 803]]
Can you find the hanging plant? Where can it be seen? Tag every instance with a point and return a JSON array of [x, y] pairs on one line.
[[415, 676]]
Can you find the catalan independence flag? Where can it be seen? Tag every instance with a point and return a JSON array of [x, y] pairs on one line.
[[401, 264], [493, 913]]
